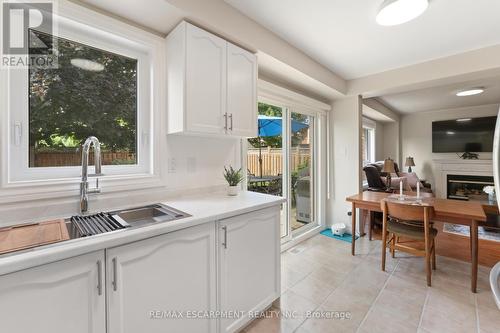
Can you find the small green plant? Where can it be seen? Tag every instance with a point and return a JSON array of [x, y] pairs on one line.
[[233, 177]]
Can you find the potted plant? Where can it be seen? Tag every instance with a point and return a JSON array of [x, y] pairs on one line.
[[233, 178]]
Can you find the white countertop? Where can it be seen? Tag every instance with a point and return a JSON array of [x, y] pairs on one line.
[[203, 208]]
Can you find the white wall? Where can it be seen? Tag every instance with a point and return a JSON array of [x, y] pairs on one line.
[[199, 161], [416, 133], [345, 125], [391, 142]]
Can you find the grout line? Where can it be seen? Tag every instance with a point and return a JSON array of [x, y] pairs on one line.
[[333, 290], [423, 308], [376, 298], [478, 327]]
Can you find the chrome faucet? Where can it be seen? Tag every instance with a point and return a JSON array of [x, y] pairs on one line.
[[84, 184]]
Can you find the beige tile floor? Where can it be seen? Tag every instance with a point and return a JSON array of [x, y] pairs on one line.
[[320, 278]]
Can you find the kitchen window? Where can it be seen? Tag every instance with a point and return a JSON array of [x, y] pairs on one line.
[[103, 86], [93, 92]]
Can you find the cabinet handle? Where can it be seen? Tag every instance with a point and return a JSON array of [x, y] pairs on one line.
[[114, 282], [224, 243], [225, 121], [231, 118], [99, 277]]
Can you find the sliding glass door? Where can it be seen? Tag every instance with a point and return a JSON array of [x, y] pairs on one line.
[[281, 161], [301, 172]]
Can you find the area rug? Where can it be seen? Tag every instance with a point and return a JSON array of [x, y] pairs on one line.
[[463, 230], [346, 238]]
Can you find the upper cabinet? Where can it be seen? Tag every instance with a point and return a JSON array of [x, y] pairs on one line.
[[212, 84]]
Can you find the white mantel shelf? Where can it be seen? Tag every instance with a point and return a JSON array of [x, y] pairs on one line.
[[445, 167]]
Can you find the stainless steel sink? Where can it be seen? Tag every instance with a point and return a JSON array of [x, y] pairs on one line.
[[89, 225], [148, 214]]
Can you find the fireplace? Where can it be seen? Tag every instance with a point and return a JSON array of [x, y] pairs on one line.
[[462, 187]]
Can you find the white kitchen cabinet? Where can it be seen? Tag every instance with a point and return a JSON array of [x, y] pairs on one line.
[[211, 84], [249, 264], [171, 272], [241, 91], [60, 297]]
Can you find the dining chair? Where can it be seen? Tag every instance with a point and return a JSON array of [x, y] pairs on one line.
[[408, 224]]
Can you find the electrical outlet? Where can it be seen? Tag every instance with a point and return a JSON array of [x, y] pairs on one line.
[[172, 165]]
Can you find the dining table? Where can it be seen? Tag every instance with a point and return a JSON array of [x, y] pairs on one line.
[[468, 213]]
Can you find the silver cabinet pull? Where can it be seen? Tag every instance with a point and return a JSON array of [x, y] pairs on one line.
[[114, 282], [231, 118], [99, 277], [224, 243], [225, 121]]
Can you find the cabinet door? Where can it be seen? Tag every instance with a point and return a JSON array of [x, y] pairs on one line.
[[241, 91], [152, 283], [59, 297], [249, 269], [205, 99]]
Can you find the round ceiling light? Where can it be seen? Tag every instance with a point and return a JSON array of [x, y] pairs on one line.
[[394, 12], [87, 65], [470, 92]]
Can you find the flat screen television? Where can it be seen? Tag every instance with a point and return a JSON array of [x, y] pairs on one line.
[[474, 135]]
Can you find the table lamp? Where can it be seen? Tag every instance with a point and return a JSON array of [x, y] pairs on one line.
[[388, 169], [409, 163]]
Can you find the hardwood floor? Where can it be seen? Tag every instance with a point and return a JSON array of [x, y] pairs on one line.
[[457, 247]]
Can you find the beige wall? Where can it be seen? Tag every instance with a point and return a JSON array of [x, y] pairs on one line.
[[416, 133]]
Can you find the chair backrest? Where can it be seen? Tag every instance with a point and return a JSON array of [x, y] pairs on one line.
[[407, 212], [373, 177]]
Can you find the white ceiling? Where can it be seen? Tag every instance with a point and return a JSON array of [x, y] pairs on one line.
[[443, 97], [343, 34]]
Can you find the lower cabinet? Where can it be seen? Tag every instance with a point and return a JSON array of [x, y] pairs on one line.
[[249, 265], [163, 284], [185, 281], [60, 297]]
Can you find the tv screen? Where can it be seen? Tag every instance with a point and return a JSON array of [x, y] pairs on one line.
[[473, 135]]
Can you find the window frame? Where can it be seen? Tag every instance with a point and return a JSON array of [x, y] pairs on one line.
[[370, 127], [85, 26]]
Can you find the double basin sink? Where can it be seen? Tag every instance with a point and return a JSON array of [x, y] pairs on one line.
[[89, 225]]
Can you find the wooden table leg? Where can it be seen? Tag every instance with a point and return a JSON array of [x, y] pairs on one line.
[[474, 254], [362, 222], [353, 229]]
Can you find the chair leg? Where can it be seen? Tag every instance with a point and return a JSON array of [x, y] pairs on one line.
[[433, 255], [393, 245]]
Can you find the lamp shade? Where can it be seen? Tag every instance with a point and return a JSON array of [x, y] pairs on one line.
[[409, 162], [389, 166]]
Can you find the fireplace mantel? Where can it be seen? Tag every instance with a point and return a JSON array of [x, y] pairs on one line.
[[443, 168]]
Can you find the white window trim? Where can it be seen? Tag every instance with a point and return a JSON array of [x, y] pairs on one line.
[[149, 49], [372, 127]]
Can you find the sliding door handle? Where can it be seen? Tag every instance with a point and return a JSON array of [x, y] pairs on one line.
[[231, 118], [114, 282], [99, 277], [225, 121]]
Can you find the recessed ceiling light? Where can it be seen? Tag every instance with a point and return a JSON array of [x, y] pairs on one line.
[[87, 65], [394, 12], [470, 92], [464, 120], [450, 132]]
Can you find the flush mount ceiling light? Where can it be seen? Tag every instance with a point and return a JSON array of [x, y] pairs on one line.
[[470, 92], [394, 12], [87, 65]]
